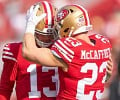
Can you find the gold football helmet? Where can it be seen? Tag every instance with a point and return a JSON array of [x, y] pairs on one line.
[[45, 34], [72, 20]]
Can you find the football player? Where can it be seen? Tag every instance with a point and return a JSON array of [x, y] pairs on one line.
[[33, 82], [82, 58]]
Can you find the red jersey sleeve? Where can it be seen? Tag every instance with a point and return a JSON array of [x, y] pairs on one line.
[[61, 49], [9, 72], [64, 48]]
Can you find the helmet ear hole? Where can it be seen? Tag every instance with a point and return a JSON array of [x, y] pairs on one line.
[[71, 10], [66, 30]]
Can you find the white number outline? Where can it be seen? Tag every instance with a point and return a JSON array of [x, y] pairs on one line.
[[73, 43], [103, 39], [34, 93], [89, 81], [46, 90]]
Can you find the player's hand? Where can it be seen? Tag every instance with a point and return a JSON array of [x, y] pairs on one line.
[[32, 19], [109, 66]]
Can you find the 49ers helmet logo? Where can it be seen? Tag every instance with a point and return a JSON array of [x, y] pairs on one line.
[[62, 14]]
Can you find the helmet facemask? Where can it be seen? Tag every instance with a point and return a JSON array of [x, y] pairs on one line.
[[45, 34], [46, 38]]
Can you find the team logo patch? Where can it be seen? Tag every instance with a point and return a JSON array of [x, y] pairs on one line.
[[61, 15]]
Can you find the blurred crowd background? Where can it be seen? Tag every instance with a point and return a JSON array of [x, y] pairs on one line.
[[104, 16]]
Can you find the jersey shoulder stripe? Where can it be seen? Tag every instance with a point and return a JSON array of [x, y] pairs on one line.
[[9, 52], [63, 49]]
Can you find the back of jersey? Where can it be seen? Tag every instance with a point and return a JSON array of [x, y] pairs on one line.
[[87, 67]]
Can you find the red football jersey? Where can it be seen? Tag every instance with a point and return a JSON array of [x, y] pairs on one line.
[[86, 73], [33, 82]]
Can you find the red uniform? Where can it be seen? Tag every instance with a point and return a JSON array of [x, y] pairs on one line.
[[33, 82], [86, 73]]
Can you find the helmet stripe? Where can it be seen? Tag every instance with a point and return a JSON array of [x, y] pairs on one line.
[[46, 19], [48, 12], [52, 19], [85, 13]]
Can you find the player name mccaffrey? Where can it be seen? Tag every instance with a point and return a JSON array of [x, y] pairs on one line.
[[95, 54]]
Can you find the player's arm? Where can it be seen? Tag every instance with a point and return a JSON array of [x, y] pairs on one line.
[[6, 84], [8, 75], [109, 68], [30, 51], [41, 56]]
